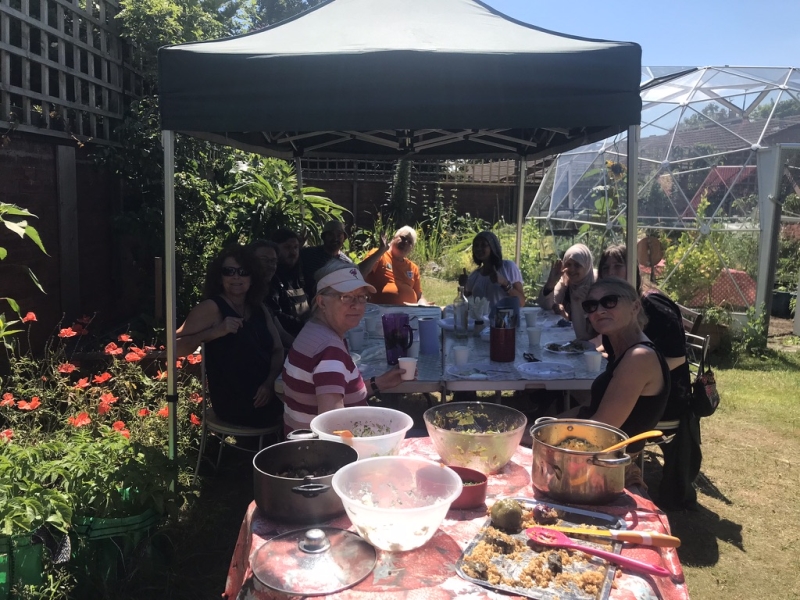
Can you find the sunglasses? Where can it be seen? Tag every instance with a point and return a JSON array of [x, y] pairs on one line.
[[231, 271], [590, 306]]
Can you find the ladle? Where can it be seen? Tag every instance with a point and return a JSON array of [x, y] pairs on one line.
[[641, 436]]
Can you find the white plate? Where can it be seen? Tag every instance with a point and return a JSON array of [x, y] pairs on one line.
[[373, 354], [545, 370], [482, 372], [586, 346]]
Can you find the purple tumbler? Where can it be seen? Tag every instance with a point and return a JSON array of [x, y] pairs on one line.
[[398, 336]]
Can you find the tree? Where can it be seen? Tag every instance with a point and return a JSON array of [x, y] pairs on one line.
[[275, 11]]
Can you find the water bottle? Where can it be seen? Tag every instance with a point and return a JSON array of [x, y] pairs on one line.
[[460, 314]]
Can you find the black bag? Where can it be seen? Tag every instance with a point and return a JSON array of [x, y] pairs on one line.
[[705, 397]]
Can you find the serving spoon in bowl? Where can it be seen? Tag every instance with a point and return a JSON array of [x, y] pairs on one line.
[[641, 436]]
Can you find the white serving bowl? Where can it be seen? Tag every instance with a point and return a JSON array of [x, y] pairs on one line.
[[396, 503], [385, 428]]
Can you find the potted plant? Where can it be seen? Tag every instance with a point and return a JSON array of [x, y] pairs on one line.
[[715, 324], [781, 302]]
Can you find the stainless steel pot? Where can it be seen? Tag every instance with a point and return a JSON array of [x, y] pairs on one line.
[[308, 499], [572, 476]]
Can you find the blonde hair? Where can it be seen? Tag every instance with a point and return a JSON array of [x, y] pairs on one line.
[[625, 290]]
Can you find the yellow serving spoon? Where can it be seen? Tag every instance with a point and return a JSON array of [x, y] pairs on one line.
[[642, 436]]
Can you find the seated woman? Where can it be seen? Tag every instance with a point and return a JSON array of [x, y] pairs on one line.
[[682, 456], [632, 392], [566, 288], [319, 374], [243, 350], [391, 273], [494, 278], [267, 254]]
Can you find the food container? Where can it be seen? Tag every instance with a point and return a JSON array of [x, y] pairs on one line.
[[376, 431], [474, 493], [284, 492], [476, 435], [574, 476], [396, 503]]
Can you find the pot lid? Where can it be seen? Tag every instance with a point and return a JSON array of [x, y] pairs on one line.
[[313, 562]]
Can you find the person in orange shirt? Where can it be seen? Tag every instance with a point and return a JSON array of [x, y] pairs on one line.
[[394, 276]]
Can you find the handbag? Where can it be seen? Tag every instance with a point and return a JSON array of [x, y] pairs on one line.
[[705, 397]]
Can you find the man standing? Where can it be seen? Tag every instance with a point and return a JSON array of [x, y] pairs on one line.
[[315, 257], [287, 297], [394, 276]]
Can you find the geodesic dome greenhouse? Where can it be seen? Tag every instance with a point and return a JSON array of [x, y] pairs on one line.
[[698, 179]]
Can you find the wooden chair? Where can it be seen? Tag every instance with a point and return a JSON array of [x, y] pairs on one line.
[[215, 426], [696, 352], [691, 319]]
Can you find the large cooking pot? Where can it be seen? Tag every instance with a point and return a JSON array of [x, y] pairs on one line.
[[574, 476], [286, 493]]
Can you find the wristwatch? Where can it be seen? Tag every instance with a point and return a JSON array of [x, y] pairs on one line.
[[507, 287]]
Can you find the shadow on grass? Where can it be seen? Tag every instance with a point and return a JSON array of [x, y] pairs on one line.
[[768, 360]]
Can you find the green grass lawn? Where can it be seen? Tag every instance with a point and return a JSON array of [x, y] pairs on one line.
[[439, 291]]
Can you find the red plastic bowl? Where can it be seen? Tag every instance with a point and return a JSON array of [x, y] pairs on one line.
[[473, 495]]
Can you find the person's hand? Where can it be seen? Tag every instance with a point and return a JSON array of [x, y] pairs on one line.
[[264, 393], [462, 279], [384, 244], [556, 271], [229, 325], [392, 378]]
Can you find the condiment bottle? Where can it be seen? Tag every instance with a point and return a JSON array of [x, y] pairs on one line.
[[460, 314]]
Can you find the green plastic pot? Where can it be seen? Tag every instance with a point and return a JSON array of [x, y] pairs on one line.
[[20, 562]]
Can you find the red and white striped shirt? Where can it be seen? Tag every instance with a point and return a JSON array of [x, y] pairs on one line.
[[318, 363]]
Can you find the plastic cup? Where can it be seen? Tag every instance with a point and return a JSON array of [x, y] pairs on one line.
[[460, 355], [530, 317], [356, 337], [409, 367], [593, 360], [534, 334]]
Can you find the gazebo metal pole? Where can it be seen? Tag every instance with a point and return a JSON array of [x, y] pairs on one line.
[[633, 202], [168, 142], [298, 167], [522, 166]]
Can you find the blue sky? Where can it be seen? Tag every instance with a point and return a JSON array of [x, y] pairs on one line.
[[677, 32]]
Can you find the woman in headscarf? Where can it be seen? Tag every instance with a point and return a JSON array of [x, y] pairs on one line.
[[494, 278], [567, 287]]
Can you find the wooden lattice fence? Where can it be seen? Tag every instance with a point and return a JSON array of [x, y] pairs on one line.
[[64, 70]]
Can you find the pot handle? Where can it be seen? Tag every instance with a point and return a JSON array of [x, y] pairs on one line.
[[302, 434], [311, 490], [611, 462], [544, 420]]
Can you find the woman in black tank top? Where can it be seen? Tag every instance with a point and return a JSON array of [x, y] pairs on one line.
[[632, 393], [244, 354]]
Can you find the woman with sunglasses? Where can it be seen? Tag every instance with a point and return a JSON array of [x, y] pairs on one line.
[[319, 375], [683, 455], [632, 392], [243, 351], [567, 286]]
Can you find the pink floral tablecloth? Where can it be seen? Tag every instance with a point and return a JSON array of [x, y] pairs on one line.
[[428, 573]]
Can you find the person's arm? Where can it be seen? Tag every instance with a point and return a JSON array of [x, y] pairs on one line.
[[513, 285], [367, 265], [266, 391], [204, 324], [287, 339], [326, 402], [638, 374], [546, 297]]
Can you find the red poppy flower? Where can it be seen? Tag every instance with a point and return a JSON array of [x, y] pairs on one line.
[[164, 412], [6, 435], [84, 320], [124, 337], [113, 349], [179, 363], [80, 420], [82, 383], [67, 333], [160, 375], [8, 400], [102, 378], [108, 398], [133, 357], [66, 368], [27, 318], [194, 359], [79, 329], [118, 425], [125, 433], [195, 420], [196, 398], [143, 412], [32, 405], [149, 348], [103, 408]]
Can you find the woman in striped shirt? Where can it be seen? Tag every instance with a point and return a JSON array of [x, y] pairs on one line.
[[319, 374]]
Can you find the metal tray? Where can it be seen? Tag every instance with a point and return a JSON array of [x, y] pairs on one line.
[[570, 517]]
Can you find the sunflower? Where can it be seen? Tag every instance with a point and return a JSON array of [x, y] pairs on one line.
[[616, 171]]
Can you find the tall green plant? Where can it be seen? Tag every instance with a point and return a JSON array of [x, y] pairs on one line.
[[399, 206]]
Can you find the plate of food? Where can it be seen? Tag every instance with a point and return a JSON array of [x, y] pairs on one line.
[[569, 348], [500, 556], [538, 371], [481, 372]]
